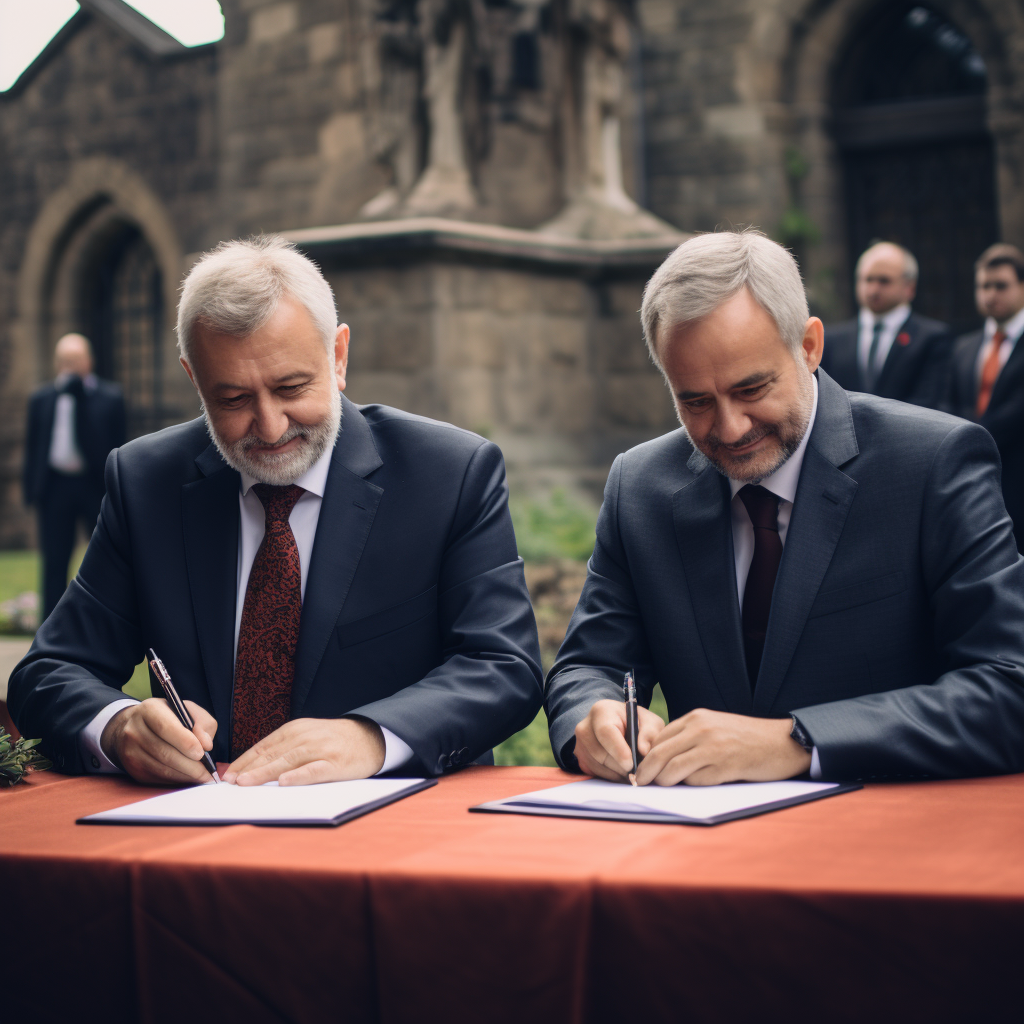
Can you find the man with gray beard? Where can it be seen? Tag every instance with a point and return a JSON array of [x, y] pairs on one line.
[[821, 582], [334, 589]]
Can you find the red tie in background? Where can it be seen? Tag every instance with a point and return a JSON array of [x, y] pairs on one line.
[[989, 372], [763, 508], [269, 631]]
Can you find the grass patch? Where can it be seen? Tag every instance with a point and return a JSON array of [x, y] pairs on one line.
[[557, 527], [19, 572]]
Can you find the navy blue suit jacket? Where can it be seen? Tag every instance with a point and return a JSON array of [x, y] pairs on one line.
[[914, 371], [897, 624], [416, 613], [100, 427]]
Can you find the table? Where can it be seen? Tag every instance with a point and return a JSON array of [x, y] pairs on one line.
[[898, 902]]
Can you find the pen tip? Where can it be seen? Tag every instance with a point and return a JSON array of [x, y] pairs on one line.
[[632, 779], [216, 777]]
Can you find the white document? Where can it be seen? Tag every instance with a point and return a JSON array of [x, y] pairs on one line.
[[697, 804], [327, 803]]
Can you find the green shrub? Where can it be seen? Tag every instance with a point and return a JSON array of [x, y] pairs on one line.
[[557, 527]]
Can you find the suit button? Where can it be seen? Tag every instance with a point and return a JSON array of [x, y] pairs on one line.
[[95, 761]]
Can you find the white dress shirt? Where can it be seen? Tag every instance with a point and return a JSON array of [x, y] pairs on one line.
[[783, 483], [1013, 328], [303, 521], [65, 455], [891, 324]]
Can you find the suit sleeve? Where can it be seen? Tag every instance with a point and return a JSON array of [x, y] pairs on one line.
[[605, 637], [970, 721], [488, 684], [88, 647]]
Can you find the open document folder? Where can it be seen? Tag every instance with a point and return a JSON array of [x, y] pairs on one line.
[[672, 805], [326, 803]]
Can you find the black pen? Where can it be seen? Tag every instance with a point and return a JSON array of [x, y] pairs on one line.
[[632, 723], [178, 706]]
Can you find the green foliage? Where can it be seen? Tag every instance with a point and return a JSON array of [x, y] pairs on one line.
[[555, 528], [18, 758], [19, 572], [797, 227], [796, 164], [530, 746]]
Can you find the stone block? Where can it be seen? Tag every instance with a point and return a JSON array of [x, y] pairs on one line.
[[324, 41], [639, 400], [270, 23]]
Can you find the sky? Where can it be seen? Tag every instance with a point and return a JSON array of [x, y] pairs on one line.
[[26, 26]]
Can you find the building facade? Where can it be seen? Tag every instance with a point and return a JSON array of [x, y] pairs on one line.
[[488, 184]]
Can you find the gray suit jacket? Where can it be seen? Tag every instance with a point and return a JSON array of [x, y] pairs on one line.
[[897, 627]]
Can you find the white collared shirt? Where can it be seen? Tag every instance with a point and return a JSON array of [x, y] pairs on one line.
[[252, 525], [1013, 328], [891, 323], [783, 482], [65, 456]]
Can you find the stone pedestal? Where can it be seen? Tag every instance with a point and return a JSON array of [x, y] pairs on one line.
[[533, 341]]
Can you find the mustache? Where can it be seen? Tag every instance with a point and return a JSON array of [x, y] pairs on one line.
[[718, 445], [250, 441]]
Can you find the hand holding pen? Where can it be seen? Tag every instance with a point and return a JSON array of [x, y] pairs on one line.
[[152, 744]]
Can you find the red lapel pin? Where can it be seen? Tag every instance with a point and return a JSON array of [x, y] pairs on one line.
[[903, 338]]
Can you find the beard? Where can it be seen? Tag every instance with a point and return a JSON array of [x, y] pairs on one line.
[[265, 465], [752, 467]]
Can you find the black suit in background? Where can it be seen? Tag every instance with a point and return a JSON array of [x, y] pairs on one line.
[[63, 500], [914, 371], [1003, 419], [416, 613], [896, 633]]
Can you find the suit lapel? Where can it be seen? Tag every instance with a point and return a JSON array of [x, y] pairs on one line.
[[703, 525], [899, 356], [823, 499], [346, 515], [210, 514]]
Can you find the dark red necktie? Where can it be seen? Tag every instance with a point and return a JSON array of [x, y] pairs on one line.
[[269, 630], [763, 508]]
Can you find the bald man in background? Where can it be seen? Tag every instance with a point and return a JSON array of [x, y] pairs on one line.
[[888, 350], [73, 424]]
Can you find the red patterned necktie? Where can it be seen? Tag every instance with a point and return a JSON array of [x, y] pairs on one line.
[[269, 631], [763, 508]]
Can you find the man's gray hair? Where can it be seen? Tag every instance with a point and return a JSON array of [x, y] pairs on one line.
[[235, 289], [705, 271], [910, 271]]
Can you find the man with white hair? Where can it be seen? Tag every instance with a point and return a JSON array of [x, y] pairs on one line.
[[334, 589], [888, 349], [820, 581]]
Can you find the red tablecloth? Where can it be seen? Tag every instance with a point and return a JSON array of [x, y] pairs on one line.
[[893, 903]]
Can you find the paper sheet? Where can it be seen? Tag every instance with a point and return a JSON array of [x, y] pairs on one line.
[[694, 802], [224, 804]]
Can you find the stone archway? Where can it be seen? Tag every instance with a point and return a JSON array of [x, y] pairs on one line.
[[804, 42], [102, 215]]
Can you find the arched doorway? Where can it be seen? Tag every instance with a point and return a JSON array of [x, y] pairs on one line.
[[120, 308], [918, 160]]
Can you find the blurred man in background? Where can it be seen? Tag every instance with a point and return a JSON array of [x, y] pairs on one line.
[[73, 423], [986, 380], [889, 350]]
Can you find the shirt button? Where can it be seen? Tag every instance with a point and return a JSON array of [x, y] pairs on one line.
[[95, 761]]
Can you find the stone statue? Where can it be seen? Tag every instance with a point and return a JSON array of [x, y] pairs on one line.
[[599, 36], [440, 33]]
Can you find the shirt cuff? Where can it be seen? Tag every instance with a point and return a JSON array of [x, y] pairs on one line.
[[95, 761], [396, 751], [815, 765]]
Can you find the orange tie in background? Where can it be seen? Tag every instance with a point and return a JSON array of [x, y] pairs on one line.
[[989, 371]]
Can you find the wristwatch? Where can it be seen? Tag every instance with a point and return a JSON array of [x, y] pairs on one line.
[[799, 733]]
